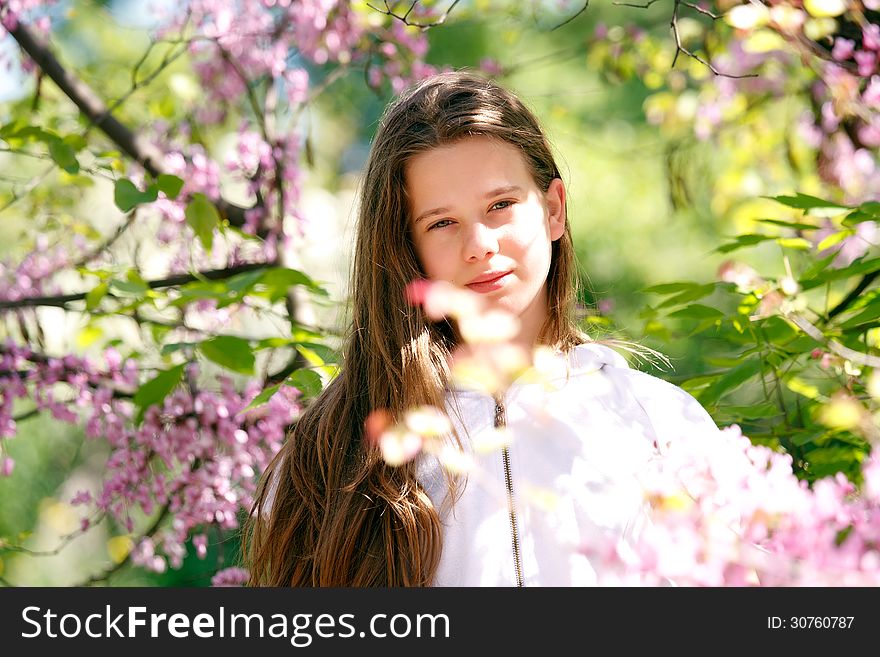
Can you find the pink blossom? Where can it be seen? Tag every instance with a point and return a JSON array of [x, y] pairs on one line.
[[843, 49], [871, 95], [871, 36], [230, 577], [867, 62]]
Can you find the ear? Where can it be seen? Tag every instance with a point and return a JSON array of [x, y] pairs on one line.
[[555, 200]]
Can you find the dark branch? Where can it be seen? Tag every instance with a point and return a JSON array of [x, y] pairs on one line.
[[853, 295], [90, 104], [61, 300]]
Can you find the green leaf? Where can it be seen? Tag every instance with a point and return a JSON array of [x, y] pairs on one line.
[[318, 354], [76, 142], [731, 380], [669, 288], [203, 218], [245, 281], [301, 334], [63, 155], [857, 268], [804, 437], [127, 196], [752, 412], [12, 128], [794, 225], [230, 352], [802, 388], [869, 314], [699, 382], [742, 241], [94, 296], [88, 336], [276, 283], [817, 267], [263, 397], [172, 347], [157, 389], [832, 239], [697, 311], [806, 202], [128, 288], [306, 381], [159, 331], [272, 343], [697, 292], [858, 216], [866, 299], [794, 243], [169, 185]]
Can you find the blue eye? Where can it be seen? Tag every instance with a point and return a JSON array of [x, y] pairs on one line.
[[504, 205]]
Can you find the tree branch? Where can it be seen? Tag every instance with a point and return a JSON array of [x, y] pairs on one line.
[[90, 104], [854, 294], [61, 300], [833, 345]]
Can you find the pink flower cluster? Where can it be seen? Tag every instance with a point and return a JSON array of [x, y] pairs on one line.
[[230, 577], [199, 455], [25, 374], [726, 512], [268, 168], [13, 11], [196, 455], [200, 174], [32, 276], [846, 129]]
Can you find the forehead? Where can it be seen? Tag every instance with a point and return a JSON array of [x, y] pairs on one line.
[[469, 166]]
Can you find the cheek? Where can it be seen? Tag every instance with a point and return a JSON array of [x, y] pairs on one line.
[[434, 258]]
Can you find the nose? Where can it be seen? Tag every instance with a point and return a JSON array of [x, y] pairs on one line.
[[480, 243]]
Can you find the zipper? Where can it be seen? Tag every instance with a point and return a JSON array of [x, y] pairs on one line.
[[501, 421]]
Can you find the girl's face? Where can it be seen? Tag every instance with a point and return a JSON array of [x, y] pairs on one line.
[[479, 221]]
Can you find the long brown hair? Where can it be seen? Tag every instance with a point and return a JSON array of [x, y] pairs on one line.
[[329, 511]]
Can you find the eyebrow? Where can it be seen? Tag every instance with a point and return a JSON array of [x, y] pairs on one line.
[[507, 189]]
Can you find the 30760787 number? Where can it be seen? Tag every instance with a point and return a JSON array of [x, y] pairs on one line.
[[810, 622]]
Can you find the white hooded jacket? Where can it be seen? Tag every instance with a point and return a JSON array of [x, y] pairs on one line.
[[567, 489]]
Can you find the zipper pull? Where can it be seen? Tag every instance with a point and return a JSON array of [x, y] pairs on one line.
[[500, 420]]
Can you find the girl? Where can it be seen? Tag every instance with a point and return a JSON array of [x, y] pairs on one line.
[[461, 186]]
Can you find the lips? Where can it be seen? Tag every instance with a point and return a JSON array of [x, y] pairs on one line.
[[489, 281]]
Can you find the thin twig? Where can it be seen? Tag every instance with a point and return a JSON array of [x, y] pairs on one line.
[[405, 17], [32, 184], [571, 18], [679, 48], [106, 244], [91, 105], [629, 4], [705, 12]]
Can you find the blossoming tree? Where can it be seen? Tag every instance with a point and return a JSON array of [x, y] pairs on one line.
[[191, 401]]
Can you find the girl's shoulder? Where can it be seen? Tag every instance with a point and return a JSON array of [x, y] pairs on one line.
[[671, 410]]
